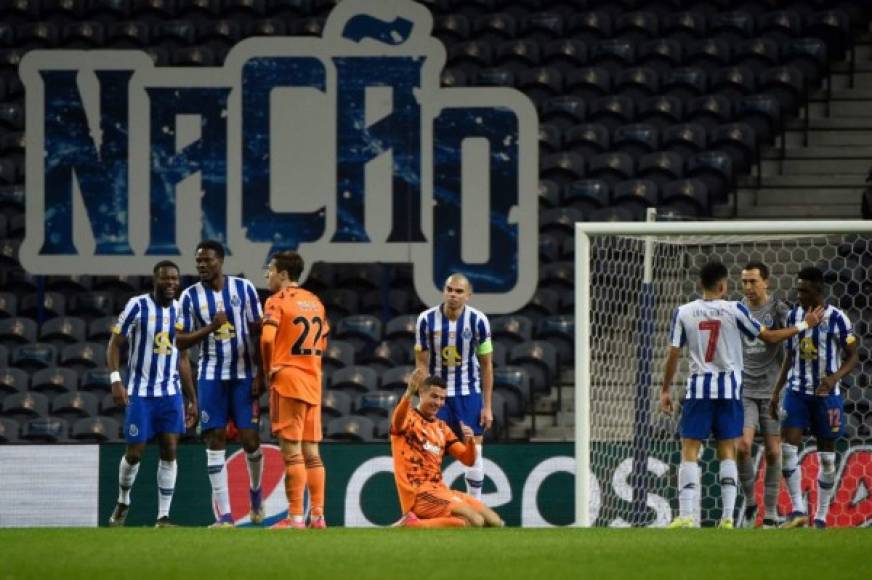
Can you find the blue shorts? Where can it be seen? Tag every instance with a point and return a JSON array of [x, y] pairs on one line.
[[465, 408], [223, 399], [703, 417], [147, 416], [824, 416]]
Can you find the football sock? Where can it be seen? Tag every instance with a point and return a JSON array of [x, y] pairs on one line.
[[255, 467], [826, 483], [728, 476], [166, 485], [746, 476], [475, 475], [126, 477], [449, 522], [295, 483], [688, 483], [218, 476], [793, 476], [772, 482], [315, 479]]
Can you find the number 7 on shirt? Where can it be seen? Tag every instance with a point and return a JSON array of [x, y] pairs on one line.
[[714, 326]]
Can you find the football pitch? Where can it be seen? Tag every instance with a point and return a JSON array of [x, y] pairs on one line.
[[401, 553]]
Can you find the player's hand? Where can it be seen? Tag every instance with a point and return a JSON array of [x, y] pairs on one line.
[[773, 408], [487, 418], [192, 414], [119, 394], [826, 386], [467, 431], [416, 379], [219, 320], [814, 317], [666, 406], [257, 386]]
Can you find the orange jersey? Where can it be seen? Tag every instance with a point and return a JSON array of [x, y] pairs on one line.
[[418, 446], [300, 339]]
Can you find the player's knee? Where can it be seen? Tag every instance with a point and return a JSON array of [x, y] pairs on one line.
[[133, 456], [216, 439], [773, 456], [743, 448], [249, 439]]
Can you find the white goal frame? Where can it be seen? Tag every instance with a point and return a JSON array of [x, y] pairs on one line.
[[584, 232]]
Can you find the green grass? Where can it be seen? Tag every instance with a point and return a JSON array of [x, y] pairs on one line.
[[549, 554]]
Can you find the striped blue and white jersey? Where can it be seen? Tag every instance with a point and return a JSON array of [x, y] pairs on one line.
[[817, 352], [712, 331], [153, 362], [229, 352], [453, 346]]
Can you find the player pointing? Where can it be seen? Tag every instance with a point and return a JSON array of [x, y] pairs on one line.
[[814, 364], [712, 327]]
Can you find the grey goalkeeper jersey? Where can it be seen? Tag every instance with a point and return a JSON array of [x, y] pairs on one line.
[[762, 361]]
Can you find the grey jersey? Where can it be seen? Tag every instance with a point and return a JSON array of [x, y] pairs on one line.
[[762, 361]]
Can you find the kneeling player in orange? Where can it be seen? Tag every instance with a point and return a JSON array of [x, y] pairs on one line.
[[292, 341], [419, 441]]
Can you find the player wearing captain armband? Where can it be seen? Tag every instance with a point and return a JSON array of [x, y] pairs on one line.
[[815, 362], [419, 441], [453, 341], [712, 328]]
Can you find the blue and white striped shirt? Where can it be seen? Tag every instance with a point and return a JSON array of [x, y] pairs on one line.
[[229, 352], [712, 331], [153, 364], [817, 352], [453, 346]]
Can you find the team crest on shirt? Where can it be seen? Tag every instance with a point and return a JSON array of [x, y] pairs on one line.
[[133, 430], [768, 321], [467, 334], [807, 349], [204, 417], [235, 301]]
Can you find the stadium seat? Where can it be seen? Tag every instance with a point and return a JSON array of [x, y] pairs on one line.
[[401, 328], [757, 54], [45, 430], [96, 430], [376, 404], [21, 406], [33, 356], [559, 222], [9, 430], [8, 248], [321, 277], [559, 330], [54, 381], [566, 55], [355, 378], [52, 304], [223, 33], [33, 35], [127, 35], [514, 383], [763, 113], [563, 112], [660, 111], [587, 195], [83, 35], [687, 197], [614, 54], [100, 329], [84, 355], [499, 354], [109, 408], [708, 53], [62, 330], [834, 28], [685, 139], [13, 381], [268, 27], [543, 303], [359, 277], [518, 55], [549, 248], [562, 168], [336, 403], [351, 428], [559, 275], [12, 119], [397, 378], [636, 140], [544, 26], [495, 77], [68, 284], [499, 408], [71, 406], [709, 111], [612, 167], [95, 380], [385, 304], [661, 54], [549, 194], [588, 83], [550, 139], [512, 329], [452, 28], [470, 57], [732, 26], [338, 354], [787, 84], [453, 78], [640, 193], [612, 111], [541, 83], [781, 26], [586, 140], [494, 27], [290, 9], [361, 330], [637, 82], [382, 428], [385, 355], [809, 55], [173, 34], [733, 82], [92, 304], [339, 302], [539, 359], [738, 141], [715, 169], [195, 56], [18, 330], [683, 26]]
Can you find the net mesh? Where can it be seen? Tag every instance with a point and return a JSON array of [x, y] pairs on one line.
[[632, 443]]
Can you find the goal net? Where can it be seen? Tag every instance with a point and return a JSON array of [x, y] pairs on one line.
[[630, 278]]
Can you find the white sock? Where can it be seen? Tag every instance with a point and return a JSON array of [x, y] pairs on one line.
[[728, 476], [793, 475], [218, 476], [772, 482], [255, 467], [826, 483], [688, 484], [166, 485], [747, 477], [475, 475], [126, 477]]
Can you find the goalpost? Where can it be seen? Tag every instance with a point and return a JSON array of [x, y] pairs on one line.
[[629, 278]]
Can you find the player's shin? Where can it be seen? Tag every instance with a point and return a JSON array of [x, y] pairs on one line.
[[826, 483], [295, 485], [166, 485], [688, 486], [255, 468], [792, 475], [215, 462], [727, 477], [126, 476], [315, 481], [746, 477], [772, 481], [475, 474]]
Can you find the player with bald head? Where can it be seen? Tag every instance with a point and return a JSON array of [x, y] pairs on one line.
[[453, 341]]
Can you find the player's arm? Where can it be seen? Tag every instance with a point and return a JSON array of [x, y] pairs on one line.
[[422, 355], [188, 391], [113, 363], [812, 319], [188, 336], [849, 362], [267, 342], [464, 451], [401, 411], [672, 359], [254, 330], [486, 364], [779, 384]]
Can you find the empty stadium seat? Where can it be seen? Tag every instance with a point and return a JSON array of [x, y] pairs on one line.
[[684, 139], [338, 354], [27, 405], [514, 382], [587, 140], [75, 405], [339, 302], [356, 378], [376, 403], [62, 330], [562, 168], [385, 355], [512, 329], [661, 111], [715, 169], [362, 330], [84, 355], [636, 140], [92, 304], [738, 141], [54, 381], [686, 197], [45, 430], [351, 428], [566, 55], [95, 380], [33, 356], [9, 430], [397, 378], [13, 381], [19, 330], [109, 408], [563, 111], [661, 167], [52, 304], [336, 403], [539, 359], [612, 167], [96, 430], [589, 82]]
